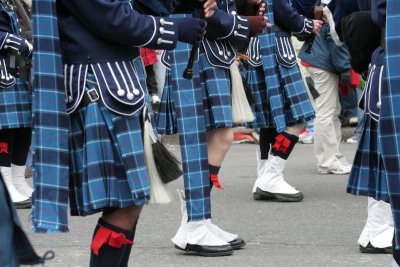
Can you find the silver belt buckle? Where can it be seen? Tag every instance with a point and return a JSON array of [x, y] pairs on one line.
[[93, 95]]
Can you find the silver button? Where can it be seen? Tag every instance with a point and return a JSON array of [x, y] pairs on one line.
[[159, 41], [220, 53], [162, 22], [233, 13], [136, 91], [378, 105], [229, 53], [235, 33], [161, 30]]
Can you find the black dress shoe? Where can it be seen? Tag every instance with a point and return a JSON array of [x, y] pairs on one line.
[[374, 250], [26, 204], [265, 195], [237, 243], [208, 251]]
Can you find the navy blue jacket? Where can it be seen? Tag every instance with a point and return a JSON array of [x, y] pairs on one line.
[[109, 33], [288, 18]]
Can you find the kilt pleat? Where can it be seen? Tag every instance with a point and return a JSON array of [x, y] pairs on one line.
[[166, 119], [368, 176], [216, 89], [260, 107], [107, 161], [15, 106]]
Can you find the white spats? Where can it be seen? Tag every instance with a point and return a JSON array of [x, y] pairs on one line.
[[196, 233], [19, 181], [15, 195], [203, 233], [270, 176]]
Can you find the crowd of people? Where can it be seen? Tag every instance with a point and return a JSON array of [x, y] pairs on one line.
[[89, 99]]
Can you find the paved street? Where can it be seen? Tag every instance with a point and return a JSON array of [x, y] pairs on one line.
[[322, 230]]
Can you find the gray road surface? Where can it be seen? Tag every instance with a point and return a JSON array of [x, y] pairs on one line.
[[322, 230]]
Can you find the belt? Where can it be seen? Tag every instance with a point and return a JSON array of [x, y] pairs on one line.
[[90, 96]]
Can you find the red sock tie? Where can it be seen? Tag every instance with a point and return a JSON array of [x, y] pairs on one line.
[[107, 236], [215, 182]]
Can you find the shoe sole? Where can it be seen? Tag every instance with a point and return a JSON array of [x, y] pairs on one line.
[[264, 195], [195, 250], [375, 250], [238, 243]]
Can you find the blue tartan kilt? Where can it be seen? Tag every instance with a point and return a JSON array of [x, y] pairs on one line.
[[296, 106], [107, 166], [368, 176], [216, 89], [15, 106], [215, 86], [166, 119]]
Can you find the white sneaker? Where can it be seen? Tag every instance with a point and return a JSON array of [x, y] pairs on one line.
[[340, 169], [353, 140], [308, 139], [155, 99]]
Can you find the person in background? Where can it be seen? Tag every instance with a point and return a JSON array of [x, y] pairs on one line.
[[149, 58], [328, 64]]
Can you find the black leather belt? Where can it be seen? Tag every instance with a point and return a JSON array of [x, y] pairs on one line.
[[89, 97]]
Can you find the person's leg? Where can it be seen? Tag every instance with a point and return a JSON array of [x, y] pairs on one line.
[[218, 142], [20, 154], [7, 141], [270, 184], [111, 236], [326, 122]]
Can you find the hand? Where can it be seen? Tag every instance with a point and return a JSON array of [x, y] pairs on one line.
[[209, 8], [345, 78], [257, 24], [317, 26], [190, 30], [253, 8]]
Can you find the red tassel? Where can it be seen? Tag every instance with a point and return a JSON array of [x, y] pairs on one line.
[[107, 236], [215, 182]]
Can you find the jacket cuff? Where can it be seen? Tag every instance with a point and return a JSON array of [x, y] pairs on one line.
[[308, 26], [165, 35]]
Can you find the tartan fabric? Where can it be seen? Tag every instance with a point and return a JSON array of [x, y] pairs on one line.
[[166, 119], [368, 176], [15, 106], [389, 122], [192, 135], [256, 81], [15, 101], [288, 99], [50, 134], [107, 161], [215, 87]]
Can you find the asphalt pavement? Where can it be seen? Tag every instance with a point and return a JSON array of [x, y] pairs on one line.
[[322, 230]]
